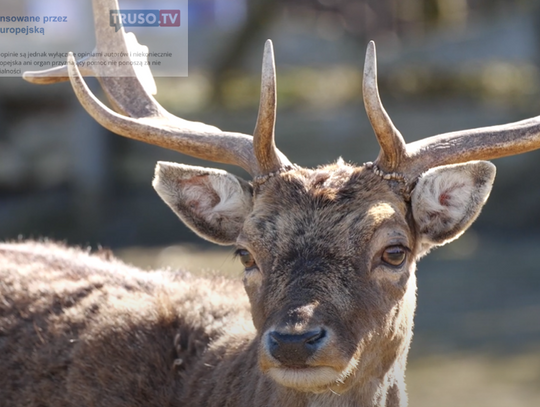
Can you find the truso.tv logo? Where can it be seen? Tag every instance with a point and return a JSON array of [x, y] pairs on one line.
[[144, 18]]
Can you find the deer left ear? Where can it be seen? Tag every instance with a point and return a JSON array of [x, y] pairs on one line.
[[447, 200], [211, 202]]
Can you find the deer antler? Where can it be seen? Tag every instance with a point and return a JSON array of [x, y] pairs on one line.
[[107, 41], [412, 159], [263, 136], [389, 137], [146, 120]]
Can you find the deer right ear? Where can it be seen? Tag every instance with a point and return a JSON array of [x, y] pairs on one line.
[[211, 202], [447, 200]]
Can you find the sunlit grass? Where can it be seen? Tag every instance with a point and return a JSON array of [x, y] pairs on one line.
[[475, 380]]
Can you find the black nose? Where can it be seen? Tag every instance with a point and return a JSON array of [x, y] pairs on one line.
[[293, 350]]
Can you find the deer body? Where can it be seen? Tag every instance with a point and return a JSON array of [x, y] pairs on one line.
[[80, 329], [85, 330], [329, 258]]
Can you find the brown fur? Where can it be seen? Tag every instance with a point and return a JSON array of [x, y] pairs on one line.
[[77, 329]]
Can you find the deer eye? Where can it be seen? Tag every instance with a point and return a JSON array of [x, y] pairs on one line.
[[246, 258], [394, 255]]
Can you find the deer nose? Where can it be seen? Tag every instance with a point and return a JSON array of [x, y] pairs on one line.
[[293, 350]]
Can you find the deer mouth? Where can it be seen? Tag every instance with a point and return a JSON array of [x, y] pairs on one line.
[[314, 379], [306, 361]]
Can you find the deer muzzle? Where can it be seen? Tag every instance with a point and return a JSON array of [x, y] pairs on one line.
[[294, 350]]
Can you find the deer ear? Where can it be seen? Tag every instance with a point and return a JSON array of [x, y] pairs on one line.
[[211, 202], [447, 200]]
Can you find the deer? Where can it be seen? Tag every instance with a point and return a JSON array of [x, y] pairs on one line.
[[324, 313]]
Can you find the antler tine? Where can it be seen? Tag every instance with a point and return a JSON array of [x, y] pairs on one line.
[[390, 139], [165, 130], [485, 143], [412, 159], [104, 43], [263, 137], [125, 85], [129, 91], [107, 42]]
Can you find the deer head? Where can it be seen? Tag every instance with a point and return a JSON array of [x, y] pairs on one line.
[[329, 253]]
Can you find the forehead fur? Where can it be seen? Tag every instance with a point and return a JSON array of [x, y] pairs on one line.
[[323, 204], [338, 183]]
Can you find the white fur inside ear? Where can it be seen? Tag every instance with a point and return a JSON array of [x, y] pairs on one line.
[[447, 199], [214, 195], [211, 202]]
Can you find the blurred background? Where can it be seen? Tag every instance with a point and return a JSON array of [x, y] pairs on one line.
[[444, 65]]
